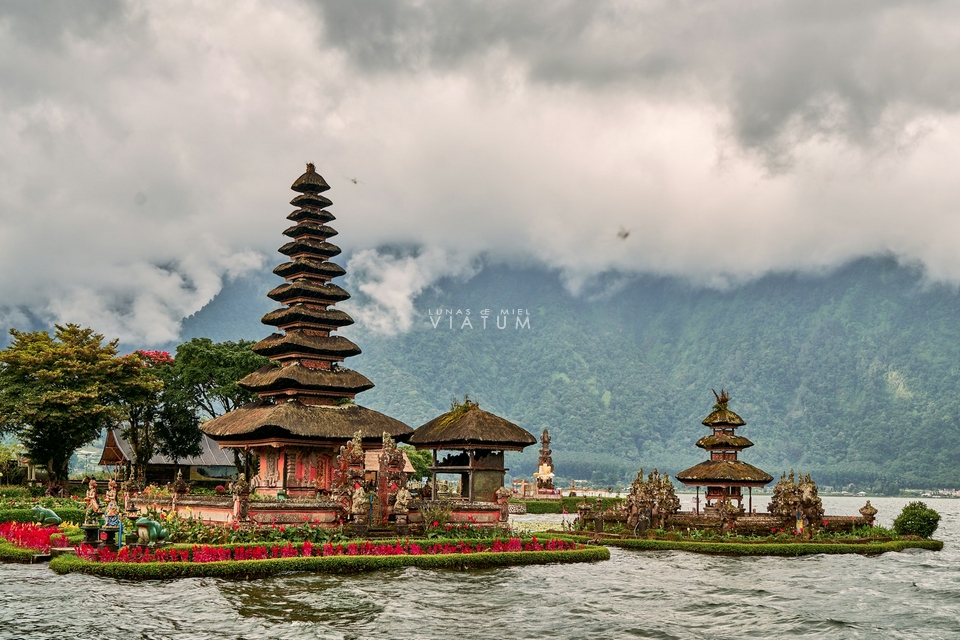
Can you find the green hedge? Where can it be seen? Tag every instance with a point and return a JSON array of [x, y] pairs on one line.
[[24, 515], [569, 504], [773, 548], [12, 553], [331, 564]]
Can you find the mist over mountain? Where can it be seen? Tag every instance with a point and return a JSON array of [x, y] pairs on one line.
[[850, 376]]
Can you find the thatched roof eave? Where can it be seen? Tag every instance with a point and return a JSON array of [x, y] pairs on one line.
[[473, 429], [724, 472], [303, 421]]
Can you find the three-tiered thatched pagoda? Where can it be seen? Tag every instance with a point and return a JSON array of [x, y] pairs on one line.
[[724, 475], [306, 409]]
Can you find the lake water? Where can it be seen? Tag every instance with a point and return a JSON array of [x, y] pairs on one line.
[[914, 594]]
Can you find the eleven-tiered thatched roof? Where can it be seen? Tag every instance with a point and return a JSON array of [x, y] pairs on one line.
[[305, 394]]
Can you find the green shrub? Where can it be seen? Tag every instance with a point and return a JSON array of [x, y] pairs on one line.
[[775, 548], [331, 564], [917, 519], [536, 507], [567, 504], [12, 553], [67, 514]]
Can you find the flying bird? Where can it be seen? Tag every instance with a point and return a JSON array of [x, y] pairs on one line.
[[353, 180], [623, 233]]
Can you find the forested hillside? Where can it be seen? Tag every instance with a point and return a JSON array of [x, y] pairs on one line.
[[852, 377]]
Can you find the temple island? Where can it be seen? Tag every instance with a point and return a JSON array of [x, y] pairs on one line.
[[652, 502], [311, 450], [331, 470]]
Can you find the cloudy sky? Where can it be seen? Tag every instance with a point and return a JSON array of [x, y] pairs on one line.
[[146, 148]]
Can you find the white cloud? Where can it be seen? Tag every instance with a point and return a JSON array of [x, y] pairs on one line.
[[146, 148], [387, 284]]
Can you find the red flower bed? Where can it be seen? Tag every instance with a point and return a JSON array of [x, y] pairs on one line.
[[30, 536], [213, 553]]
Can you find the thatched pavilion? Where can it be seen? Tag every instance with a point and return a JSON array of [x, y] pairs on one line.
[[306, 409], [476, 440], [724, 475]]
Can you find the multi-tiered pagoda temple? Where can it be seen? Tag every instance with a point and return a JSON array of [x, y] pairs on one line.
[[723, 474], [306, 409]]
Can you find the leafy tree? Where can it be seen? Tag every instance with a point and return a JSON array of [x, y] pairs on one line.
[[159, 415], [420, 459], [178, 429], [139, 399], [10, 455], [206, 375], [209, 371], [917, 519], [58, 392]]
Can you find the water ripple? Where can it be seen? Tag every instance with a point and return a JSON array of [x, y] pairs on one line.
[[665, 595]]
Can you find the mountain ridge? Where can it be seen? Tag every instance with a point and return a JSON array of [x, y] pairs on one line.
[[848, 375]]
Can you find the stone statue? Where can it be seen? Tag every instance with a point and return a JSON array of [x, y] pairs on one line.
[[348, 471], [92, 515], [180, 488], [402, 504], [503, 496], [390, 476], [869, 512], [112, 511], [654, 497], [44, 516], [544, 474], [794, 502], [150, 530], [358, 502], [241, 498]]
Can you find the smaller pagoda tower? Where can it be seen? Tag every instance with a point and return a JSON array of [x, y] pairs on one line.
[[724, 475]]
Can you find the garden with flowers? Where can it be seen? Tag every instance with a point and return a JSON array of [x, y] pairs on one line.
[[248, 561], [200, 549]]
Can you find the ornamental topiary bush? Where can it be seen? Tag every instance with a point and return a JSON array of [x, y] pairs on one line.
[[916, 519]]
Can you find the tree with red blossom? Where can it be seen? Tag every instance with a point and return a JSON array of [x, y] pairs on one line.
[[160, 417], [58, 392]]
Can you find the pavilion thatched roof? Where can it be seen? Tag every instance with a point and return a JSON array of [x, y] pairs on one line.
[[117, 451], [724, 472], [339, 422], [467, 426]]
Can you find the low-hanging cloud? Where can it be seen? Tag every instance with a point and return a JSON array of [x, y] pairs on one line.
[[146, 148], [387, 284]]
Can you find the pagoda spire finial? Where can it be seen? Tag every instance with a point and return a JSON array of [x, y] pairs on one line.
[[722, 399]]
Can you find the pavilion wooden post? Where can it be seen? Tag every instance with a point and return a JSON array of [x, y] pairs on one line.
[[433, 473], [470, 477], [750, 508], [696, 505]]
